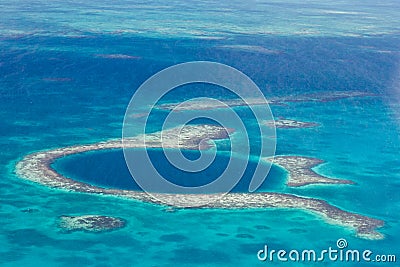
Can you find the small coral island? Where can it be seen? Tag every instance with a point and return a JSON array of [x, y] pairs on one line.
[[90, 223], [290, 124]]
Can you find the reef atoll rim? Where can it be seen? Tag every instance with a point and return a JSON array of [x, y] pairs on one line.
[[37, 167]]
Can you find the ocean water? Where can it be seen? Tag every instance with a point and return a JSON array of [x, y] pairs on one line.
[[61, 85]]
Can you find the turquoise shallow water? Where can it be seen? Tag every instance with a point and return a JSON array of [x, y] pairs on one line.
[[55, 90]]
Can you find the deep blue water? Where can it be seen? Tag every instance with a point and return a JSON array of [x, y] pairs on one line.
[[108, 169], [58, 88]]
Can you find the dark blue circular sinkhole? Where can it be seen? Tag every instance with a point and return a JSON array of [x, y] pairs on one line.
[[107, 169]]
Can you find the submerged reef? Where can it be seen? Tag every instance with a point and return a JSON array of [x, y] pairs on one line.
[[252, 49], [323, 96], [204, 104], [90, 223], [117, 56], [290, 124], [37, 167]]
